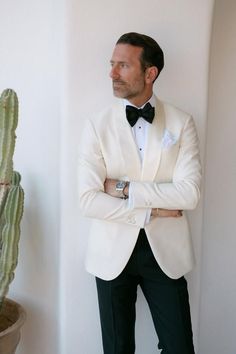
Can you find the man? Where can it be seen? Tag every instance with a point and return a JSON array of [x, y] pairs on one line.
[[139, 170]]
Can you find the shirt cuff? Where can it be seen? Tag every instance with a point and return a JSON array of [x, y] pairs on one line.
[[131, 205], [148, 216]]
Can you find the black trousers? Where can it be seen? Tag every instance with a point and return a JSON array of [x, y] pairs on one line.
[[167, 299]]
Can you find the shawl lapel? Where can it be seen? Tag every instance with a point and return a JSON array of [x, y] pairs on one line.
[[153, 147]]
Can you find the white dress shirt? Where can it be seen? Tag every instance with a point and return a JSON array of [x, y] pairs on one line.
[[140, 130]]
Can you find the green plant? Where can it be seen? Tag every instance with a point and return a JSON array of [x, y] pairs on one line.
[[11, 193]]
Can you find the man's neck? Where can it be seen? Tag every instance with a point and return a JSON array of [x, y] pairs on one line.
[[139, 103]]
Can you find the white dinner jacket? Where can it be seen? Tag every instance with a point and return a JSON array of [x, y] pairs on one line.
[[169, 178]]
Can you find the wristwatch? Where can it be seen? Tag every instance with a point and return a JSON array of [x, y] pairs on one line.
[[120, 186]]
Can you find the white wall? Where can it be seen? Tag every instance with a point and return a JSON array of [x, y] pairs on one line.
[[30, 64], [218, 310], [182, 27], [54, 93]]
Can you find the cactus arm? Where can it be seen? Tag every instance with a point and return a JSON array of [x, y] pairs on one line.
[[11, 218], [8, 124]]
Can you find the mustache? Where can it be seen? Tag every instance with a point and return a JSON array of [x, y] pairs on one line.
[[118, 82]]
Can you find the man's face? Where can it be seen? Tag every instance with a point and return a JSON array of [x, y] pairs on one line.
[[128, 78]]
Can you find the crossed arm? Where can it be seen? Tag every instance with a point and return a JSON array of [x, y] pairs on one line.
[[110, 188], [95, 190]]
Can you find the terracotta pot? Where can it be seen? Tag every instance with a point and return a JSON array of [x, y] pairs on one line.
[[12, 317]]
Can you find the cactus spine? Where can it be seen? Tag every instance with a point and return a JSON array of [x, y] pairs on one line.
[[11, 193]]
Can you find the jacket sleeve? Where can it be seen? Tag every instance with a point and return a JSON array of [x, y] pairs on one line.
[[183, 192], [92, 174]]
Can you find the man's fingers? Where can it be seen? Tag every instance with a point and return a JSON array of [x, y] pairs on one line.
[[169, 213]]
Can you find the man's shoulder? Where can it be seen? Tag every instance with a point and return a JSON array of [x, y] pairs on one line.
[[172, 110], [108, 113]]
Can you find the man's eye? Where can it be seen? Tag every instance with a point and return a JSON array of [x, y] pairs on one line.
[[124, 65]]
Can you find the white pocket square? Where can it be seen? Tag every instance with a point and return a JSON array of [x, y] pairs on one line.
[[168, 139]]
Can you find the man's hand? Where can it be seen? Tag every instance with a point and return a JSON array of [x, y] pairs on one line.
[[110, 187], [165, 213]]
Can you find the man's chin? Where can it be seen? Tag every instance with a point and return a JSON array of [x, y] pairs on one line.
[[118, 94]]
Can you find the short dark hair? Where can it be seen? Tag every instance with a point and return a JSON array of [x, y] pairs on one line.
[[152, 54]]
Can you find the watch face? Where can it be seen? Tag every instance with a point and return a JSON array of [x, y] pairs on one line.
[[120, 185]]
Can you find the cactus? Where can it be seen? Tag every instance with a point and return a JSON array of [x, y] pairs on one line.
[[10, 233], [11, 193], [8, 124]]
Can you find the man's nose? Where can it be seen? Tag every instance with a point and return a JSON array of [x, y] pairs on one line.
[[114, 73]]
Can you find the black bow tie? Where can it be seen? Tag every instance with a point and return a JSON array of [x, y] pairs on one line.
[[133, 113]]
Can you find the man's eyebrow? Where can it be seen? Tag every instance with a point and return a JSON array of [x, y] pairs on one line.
[[119, 62]]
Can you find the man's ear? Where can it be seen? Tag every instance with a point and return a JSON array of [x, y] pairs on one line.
[[151, 74]]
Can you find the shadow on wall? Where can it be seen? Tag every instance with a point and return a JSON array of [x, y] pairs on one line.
[[218, 306]]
